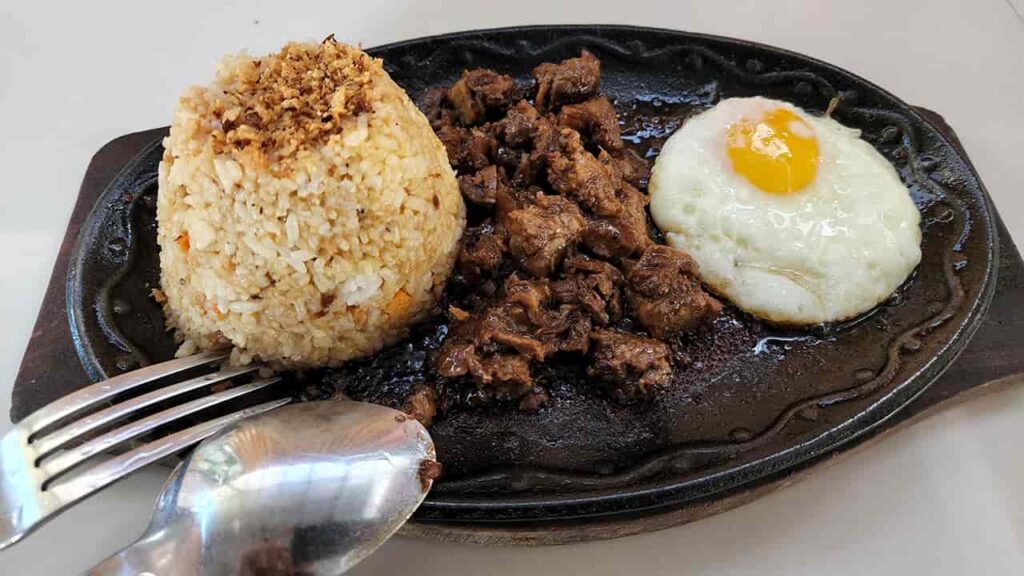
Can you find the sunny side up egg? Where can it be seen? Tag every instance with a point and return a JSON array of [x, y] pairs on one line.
[[792, 217]]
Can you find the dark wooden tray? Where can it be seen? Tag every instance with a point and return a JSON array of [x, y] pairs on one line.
[[992, 360]]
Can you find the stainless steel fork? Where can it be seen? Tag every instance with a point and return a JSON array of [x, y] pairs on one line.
[[42, 457]]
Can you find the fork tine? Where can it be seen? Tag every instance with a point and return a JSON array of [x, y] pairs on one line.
[[91, 395], [50, 442], [93, 479], [65, 460]]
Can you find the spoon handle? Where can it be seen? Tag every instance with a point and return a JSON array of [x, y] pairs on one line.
[[158, 554]]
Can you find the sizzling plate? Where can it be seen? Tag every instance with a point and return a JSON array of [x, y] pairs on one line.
[[754, 402]]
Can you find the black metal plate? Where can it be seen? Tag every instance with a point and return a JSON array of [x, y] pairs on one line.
[[756, 401]]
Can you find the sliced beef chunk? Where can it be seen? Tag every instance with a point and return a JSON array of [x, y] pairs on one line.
[[513, 198], [616, 219], [546, 135], [628, 167], [493, 346], [481, 187], [525, 299], [623, 234], [529, 305], [481, 253], [528, 171], [496, 327], [574, 80], [594, 286], [480, 92], [506, 326], [435, 107], [469, 149], [564, 329], [577, 174], [532, 165], [596, 121], [508, 158], [519, 126], [520, 323], [507, 374], [540, 235], [664, 294], [422, 404], [630, 365]]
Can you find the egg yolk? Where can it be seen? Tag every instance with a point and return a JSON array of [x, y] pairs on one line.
[[777, 153]]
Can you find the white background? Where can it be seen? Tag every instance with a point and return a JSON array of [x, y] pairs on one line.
[[944, 497]]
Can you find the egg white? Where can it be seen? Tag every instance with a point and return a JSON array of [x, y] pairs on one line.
[[826, 253]]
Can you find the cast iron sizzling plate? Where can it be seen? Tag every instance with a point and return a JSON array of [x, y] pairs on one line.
[[752, 402]]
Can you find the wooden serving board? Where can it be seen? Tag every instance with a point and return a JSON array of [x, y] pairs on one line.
[[991, 361]]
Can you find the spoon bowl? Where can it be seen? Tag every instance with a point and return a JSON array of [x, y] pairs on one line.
[[309, 488]]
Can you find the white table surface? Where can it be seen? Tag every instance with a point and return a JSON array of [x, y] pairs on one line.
[[943, 497]]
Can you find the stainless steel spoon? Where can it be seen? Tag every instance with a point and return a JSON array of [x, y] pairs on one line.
[[309, 488]]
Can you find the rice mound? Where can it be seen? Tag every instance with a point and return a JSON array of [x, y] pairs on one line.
[[307, 213]]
